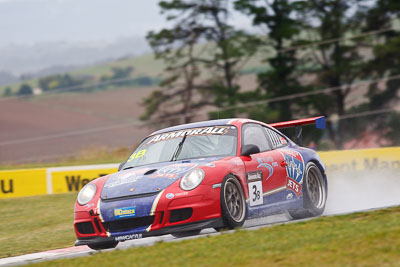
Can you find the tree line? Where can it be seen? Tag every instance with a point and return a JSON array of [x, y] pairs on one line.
[[317, 50]]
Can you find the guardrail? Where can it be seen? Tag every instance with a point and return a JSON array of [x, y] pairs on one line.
[[31, 182]]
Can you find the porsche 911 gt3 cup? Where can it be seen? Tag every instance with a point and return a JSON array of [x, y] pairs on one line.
[[211, 174]]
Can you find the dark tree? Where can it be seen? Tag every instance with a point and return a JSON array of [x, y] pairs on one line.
[[25, 89], [337, 63], [278, 18], [7, 91], [386, 63], [199, 40]]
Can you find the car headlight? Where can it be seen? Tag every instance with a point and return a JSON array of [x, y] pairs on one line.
[[192, 179], [86, 194]]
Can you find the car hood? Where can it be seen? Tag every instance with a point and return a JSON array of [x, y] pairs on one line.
[[149, 179]]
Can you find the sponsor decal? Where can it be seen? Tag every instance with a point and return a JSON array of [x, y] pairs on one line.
[[283, 140], [271, 160], [181, 194], [289, 196], [236, 161], [215, 130], [294, 170], [173, 171], [128, 237], [126, 212], [210, 165], [268, 166], [294, 186], [125, 178], [170, 195], [137, 155], [253, 176], [294, 165], [268, 159]]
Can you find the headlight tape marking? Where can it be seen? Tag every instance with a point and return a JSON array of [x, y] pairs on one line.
[[153, 207]]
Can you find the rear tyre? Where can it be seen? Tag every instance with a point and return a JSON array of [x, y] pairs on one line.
[[233, 203], [186, 234], [314, 193], [105, 245]]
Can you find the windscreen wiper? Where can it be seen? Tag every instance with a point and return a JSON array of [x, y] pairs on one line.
[[179, 148]]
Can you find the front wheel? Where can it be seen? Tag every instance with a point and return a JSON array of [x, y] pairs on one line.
[[105, 245], [314, 193], [233, 203]]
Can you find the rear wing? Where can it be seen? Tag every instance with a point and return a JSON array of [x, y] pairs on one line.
[[319, 123]]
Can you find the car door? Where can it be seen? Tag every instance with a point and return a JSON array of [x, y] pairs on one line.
[[265, 172]]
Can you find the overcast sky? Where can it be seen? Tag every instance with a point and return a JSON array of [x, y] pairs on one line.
[[33, 21]]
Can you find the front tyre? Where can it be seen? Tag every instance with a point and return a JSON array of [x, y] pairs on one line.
[[233, 203], [314, 193], [105, 245]]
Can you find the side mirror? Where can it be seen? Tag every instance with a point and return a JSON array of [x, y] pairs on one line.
[[248, 150], [121, 166]]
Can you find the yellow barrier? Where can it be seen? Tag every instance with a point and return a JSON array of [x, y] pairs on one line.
[[30, 182], [362, 159], [68, 180], [21, 183]]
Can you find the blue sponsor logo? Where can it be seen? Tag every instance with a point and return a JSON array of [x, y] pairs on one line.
[[126, 212], [268, 166], [170, 195]]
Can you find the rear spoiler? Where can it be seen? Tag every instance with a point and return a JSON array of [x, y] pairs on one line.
[[319, 123]]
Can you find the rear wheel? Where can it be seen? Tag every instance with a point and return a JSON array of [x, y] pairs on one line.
[[314, 193], [105, 245], [186, 234], [233, 203]]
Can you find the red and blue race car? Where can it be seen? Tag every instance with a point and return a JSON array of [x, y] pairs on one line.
[[211, 174]]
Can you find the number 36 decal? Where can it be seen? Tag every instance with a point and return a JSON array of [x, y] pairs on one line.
[[255, 193]]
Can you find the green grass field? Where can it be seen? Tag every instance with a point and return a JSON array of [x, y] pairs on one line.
[[42, 223], [33, 224], [90, 156], [361, 239]]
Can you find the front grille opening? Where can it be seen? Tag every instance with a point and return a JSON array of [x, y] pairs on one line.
[[161, 217], [180, 215], [128, 224], [97, 223], [85, 228]]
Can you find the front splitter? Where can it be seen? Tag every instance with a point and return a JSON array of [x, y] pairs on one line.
[[212, 223]]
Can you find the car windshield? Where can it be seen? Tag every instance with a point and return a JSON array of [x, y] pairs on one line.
[[215, 141]]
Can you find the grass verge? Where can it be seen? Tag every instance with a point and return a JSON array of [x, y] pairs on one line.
[[87, 156], [34, 224], [361, 239]]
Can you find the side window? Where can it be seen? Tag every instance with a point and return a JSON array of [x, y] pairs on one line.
[[253, 134], [277, 140]]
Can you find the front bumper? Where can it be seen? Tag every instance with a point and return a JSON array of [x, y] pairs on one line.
[[162, 215]]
